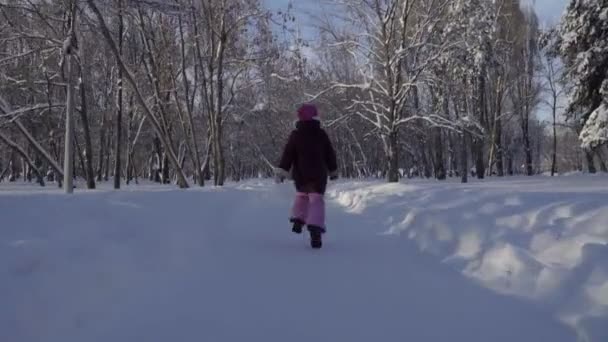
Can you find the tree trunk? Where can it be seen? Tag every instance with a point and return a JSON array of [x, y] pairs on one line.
[[499, 149], [464, 158], [590, 162], [84, 118], [165, 169], [129, 146], [102, 145], [24, 156], [14, 168], [81, 158], [214, 155], [479, 159], [118, 143], [603, 166], [426, 161], [510, 170], [68, 164], [135, 174], [208, 158], [392, 157], [27, 171], [219, 151], [132, 143], [440, 171], [108, 150], [182, 182], [598, 155], [438, 164], [554, 154], [528, 152], [5, 171], [478, 142], [189, 107], [157, 162], [39, 149]]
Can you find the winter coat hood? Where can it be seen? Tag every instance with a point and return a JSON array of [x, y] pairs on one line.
[[308, 112]]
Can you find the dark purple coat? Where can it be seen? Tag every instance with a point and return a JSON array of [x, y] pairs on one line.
[[310, 156]]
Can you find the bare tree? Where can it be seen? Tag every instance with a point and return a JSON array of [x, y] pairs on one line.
[[25, 156], [553, 76], [207, 89], [182, 182], [119, 102], [84, 85], [70, 46], [394, 40], [525, 94]]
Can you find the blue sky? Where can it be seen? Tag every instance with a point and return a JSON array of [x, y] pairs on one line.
[[548, 11]]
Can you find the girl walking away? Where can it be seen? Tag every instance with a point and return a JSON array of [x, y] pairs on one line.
[[310, 156]]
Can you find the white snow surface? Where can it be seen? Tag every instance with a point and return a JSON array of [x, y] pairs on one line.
[[517, 259], [595, 131]]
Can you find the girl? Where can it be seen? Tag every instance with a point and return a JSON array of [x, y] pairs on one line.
[[310, 156]]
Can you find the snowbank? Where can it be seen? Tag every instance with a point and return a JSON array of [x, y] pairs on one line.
[[544, 239]]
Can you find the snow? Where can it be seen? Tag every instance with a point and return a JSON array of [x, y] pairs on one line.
[[260, 106], [595, 131], [604, 15], [519, 259], [545, 240], [285, 78]]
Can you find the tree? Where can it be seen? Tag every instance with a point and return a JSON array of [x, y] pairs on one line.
[[394, 39], [553, 76], [25, 156], [84, 85], [526, 92], [473, 21], [583, 33], [70, 46], [119, 102], [183, 183], [209, 89]]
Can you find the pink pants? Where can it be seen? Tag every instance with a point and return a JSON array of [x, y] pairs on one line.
[[309, 208]]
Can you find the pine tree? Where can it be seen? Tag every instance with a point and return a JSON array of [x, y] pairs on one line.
[[583, 46]]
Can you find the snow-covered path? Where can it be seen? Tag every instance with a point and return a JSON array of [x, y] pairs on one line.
[[223, 265]]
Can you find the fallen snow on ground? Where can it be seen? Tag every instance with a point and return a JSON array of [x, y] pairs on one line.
[[500, 260], [542, 239]]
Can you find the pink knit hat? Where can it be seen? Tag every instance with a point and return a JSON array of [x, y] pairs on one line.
[[307, 112]]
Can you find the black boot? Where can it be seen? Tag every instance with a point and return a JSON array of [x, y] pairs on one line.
[[297, 226], [315, 236]]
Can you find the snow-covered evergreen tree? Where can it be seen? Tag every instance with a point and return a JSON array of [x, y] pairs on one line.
[[583, 45]]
